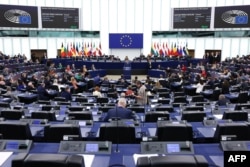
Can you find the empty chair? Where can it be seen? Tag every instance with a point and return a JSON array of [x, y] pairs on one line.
[[164, 101], [179, 94], [243, 97], [117, 134], [174, 132], [106, 108], [81, 99], [50, 107], [76, 108], [14, 130], [180, 99], [242, 106], [207, 87], [164, 108], [112, 95], [43, 102], [193, 116], [59, 99], [164, 94], [155, 115], [82, 115], [54, 87], [238, 129], [64, 103], [4, 105], [12, 114], [172, 161], [235, 115], [55, 132], [101, 100], [193, 108], [165, 90], [216, 94], [48, 160], [137, 109], [164, 83], [49, 115], [198, 98]]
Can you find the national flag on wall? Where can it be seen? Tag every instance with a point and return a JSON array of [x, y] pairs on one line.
[[152, 50], [100, 49], [167, 50], [94, 50], [63, 53], [179, 50], [185, 50], [161, 53], [175, 53], [85, 50], [77, 50]]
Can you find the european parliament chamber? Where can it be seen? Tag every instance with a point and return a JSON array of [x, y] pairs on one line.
[[122, 83]]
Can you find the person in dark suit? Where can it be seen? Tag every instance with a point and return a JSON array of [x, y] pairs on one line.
[[42, 92], [120, 111], [66, 94], [222, 100]]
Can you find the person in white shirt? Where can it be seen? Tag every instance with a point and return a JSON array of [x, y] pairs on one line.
[[97, 92], [199, 86]]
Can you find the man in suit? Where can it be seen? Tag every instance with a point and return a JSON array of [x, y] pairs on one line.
[[66, 94], [42, 92], [120, 111]]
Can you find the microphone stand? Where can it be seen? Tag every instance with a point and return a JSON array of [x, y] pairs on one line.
[[117, 132]]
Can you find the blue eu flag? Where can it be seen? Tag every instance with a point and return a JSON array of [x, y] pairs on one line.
[[24, 19], [241, 19], [125, 40]]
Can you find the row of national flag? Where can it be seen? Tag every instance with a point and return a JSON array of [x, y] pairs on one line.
[[74, 49], [163, 49]]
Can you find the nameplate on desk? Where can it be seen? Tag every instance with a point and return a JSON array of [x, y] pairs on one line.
[[34, 121], [92, 147], [79, 122], [17, 145], [185, 147], [233, 146]]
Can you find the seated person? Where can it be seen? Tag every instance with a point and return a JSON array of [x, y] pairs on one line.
[[97, 92], [21, 85], [222, 100], [30, 87], [129, 92], [42, 92], [66, 94], [120, 111]]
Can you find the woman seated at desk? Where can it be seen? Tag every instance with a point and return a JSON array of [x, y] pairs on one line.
[[74, 84], [97, 92]]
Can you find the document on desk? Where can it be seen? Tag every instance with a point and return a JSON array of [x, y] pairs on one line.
[[4, 156], [88, 159], [218, 116], [136, 156]]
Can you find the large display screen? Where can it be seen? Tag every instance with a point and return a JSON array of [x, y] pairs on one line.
[[18, 16], [232, 17], [54, 17], [192, 17]]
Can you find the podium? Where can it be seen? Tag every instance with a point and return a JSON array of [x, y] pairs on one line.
[[127, 70]]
